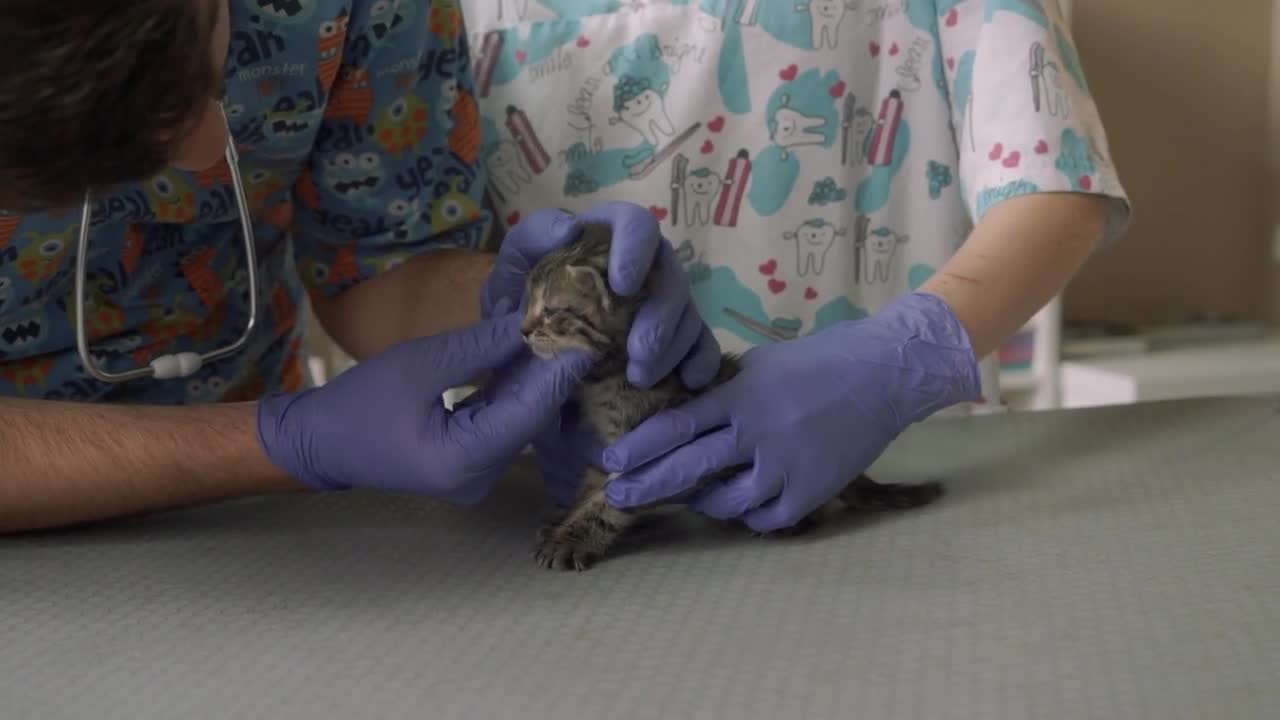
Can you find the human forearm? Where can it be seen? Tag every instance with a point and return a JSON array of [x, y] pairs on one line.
[[1022, 253], [67, 464], [429, 294]]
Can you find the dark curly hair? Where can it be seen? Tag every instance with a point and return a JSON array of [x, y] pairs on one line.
[[97, 93]]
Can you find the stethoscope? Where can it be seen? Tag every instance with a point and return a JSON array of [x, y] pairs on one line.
[[184, 364]]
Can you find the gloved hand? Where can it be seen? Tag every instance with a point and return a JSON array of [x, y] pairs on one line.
[[383, 425], [668, 333], [807, 415]]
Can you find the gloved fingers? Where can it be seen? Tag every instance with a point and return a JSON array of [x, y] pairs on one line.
[[526, 405], [637, 239], [702, 364], [526, 244], [665, 329], [740, 494], [668, 430], [458, 357], [679, 472], [791, 506]]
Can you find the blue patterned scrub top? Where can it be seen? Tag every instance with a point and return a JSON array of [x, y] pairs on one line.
[[359, 142]]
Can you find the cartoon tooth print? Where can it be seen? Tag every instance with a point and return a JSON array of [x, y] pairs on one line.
[[352, 97], [826, 16], [354, 177], [881, 245], [701, 187], [172, 200], [535, 155], [639, 106], [736, 181], [44, 254], [453, 208], [332, 35], [282, 12], [507, 172], [1046, 85], [402, 126], [789, 128], [814, 239]]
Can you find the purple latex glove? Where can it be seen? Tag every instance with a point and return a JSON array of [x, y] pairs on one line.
[[668, 333], [806, 415], [383, 425]]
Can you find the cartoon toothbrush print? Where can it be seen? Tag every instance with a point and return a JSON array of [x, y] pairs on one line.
[[735, 186], [1046, 84]]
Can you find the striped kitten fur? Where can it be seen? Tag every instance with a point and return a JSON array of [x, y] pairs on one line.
[[570, 305]]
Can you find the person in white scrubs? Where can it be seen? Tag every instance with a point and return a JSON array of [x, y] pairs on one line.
[[867, 197]]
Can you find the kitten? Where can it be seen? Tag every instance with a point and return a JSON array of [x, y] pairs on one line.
[[570, 306]]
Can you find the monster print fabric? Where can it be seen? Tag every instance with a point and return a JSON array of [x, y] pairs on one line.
[[359, 144], [810, 160]]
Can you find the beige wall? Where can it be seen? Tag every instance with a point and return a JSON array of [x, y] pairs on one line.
[[1184, 93]]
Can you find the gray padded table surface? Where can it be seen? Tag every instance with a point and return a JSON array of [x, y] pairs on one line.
[[1113, 563]]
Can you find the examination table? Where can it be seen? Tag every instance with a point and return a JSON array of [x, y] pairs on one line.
[[1106, 563]]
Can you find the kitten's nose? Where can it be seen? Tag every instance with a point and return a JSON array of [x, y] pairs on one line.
[[528, 325]]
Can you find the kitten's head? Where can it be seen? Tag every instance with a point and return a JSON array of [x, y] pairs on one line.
[[570, 303]]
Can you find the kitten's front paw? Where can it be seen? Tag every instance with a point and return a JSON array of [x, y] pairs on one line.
[[557, 553]]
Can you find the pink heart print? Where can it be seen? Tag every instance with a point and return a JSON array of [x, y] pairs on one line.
[[776, 286]]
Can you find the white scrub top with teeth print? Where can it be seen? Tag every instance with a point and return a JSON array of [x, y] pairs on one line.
[[808, 160]]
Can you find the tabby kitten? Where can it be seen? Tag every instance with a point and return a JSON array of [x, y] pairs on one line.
[[570, 306]]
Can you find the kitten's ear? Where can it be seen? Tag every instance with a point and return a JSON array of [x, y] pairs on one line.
[[589, 279]]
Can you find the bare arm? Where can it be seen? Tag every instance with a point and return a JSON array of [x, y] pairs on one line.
[[426, 295], [1022, 253], [68, 464]]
